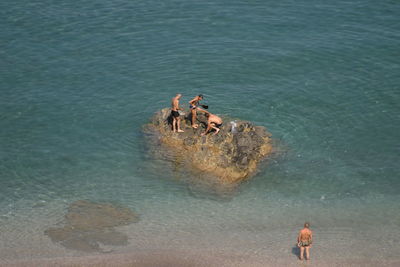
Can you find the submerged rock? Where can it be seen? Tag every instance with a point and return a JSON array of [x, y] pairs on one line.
[[230, 156], [87, 225]]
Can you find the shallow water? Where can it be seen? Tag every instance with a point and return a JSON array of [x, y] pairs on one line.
[[78, 81]]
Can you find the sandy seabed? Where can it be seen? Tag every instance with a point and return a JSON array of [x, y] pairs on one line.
[[231, 239], [173, 258], [261, 249]]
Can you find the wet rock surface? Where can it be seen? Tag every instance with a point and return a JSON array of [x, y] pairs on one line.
[[230, 156], [89, 225]]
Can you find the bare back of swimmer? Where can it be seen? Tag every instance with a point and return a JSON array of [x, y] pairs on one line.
[[176, 120], [213, 122], [304, 241]]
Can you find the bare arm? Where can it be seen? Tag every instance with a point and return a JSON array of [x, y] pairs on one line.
[[208, 129], [193, 101], [203, 110]]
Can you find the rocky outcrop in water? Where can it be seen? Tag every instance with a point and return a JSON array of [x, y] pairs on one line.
[[230, 156], [89, 225]]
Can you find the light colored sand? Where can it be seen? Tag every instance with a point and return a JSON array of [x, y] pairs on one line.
[[180, 246], [223, 236], [172, 258]]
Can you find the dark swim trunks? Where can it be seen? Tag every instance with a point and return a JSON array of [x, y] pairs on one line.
[[218, 125], [174, 113], [304, 243]]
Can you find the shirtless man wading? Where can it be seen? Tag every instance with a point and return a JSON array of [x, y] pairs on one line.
[[213, 122], [304, 241], [176, 120]]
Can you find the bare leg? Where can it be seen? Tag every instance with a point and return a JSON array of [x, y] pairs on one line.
[[215, 128], [173, 124], [307, 253], [301, 252], [178, 122], [194, 118]]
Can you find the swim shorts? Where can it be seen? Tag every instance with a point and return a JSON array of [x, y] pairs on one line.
[[174, 113]]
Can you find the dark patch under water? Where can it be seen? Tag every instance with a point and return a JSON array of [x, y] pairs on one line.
[[87, 225]]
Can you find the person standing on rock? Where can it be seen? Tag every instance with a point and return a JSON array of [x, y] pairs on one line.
[[176, 120], [194, 103], [213, 122], [304, 241]]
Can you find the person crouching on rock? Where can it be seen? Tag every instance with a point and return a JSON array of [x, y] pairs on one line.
[[176, 120], [213, 122], [194, 103]]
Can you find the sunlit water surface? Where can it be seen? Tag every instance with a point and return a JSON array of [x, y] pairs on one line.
[[79, 80]]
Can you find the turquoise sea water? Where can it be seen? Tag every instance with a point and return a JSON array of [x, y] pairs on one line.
[[79, 79]]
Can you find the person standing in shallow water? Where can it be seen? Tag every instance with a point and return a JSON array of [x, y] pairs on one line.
[[176, 120], [304, 241]]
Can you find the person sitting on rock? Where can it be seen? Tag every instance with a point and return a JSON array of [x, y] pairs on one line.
[[194, 103], [176, 120], [213, 122]]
